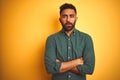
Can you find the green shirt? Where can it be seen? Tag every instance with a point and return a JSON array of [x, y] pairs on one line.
[[60, 46]]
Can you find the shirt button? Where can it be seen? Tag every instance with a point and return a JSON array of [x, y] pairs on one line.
[[68, 57], [68, 47], [74, 33], [69, 76]]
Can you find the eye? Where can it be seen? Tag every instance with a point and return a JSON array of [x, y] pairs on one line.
[[72, 16], [64, 16]]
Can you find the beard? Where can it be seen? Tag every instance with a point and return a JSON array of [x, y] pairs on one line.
[[68, 26]]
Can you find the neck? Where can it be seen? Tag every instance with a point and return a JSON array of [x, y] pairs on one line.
[[69, 32]]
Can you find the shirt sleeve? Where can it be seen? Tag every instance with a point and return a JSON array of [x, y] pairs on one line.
[[50, 57], [89, 58]]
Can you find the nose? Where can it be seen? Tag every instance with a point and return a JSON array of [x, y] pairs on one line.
[[68, 18]]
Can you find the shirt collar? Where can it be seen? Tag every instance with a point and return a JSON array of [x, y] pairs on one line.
[[74, 31]]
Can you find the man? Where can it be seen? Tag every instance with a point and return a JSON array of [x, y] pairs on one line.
[[69, 53]]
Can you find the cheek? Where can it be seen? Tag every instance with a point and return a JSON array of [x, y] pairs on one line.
[[73, 20], [63, 21]]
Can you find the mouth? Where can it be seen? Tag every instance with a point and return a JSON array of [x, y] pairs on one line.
[[68, 24]]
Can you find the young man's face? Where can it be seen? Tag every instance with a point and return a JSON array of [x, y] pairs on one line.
[[68, 19]]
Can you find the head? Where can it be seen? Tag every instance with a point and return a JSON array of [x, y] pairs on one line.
[[68, 16]]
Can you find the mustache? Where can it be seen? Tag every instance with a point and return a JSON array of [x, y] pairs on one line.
[[68, 23]]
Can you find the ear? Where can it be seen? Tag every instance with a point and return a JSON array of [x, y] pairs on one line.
[[59, 19], [76, 18]]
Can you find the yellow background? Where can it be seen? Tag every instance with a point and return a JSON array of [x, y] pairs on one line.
[[27, 23]]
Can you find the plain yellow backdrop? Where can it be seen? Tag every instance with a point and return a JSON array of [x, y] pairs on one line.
[[27, 23]]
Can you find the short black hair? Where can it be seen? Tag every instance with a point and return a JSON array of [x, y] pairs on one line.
[[67, 6]]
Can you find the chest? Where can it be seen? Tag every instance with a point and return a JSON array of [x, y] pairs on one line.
[[69, 48]]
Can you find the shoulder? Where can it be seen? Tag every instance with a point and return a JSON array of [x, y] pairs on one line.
[[86, 37], [53, 36], [83, 34]]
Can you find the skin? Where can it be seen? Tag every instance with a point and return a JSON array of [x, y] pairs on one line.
[[68, 19], [71, 65]]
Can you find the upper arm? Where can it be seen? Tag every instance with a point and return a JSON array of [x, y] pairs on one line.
[[50, 56], [88, 56]]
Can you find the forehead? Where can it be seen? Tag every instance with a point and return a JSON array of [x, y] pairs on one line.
[[68, 11]]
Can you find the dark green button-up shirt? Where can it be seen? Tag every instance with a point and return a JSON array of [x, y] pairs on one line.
[[60, 46]]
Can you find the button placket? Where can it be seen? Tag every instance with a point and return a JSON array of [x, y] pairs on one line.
[[69, 49]]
